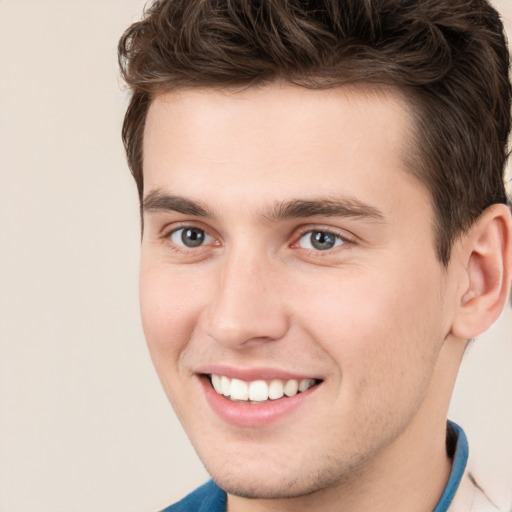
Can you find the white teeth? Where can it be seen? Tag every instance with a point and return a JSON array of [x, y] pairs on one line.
[[225, 384], [276, 390], [258, 390], [216, 382], [305, 384], [239, 390], [291, 387]]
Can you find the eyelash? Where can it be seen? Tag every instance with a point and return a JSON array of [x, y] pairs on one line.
[[168, 235], [344, 239]]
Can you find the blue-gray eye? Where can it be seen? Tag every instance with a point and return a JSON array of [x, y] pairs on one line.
[[190, 237], [320, 240]]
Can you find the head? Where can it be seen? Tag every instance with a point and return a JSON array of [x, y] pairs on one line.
[[449, 60], [319, 189]]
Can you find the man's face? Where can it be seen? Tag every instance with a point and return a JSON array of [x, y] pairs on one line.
[[286, 244]]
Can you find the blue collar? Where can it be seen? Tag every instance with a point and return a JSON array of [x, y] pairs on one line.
[[460, 459]]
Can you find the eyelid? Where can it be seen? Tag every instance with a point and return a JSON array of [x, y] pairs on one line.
[[346, 237], [207, 237], [336, 240], [168, 230], [341, 233], [170, 227]]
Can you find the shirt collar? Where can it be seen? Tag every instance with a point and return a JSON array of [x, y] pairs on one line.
[[460, 459]]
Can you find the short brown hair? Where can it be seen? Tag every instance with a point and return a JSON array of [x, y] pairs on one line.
[[448, 57]]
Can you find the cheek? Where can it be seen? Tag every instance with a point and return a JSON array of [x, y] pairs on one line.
[[169, 310], [377, 328]]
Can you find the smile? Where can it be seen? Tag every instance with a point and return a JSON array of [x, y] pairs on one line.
[[258, 391]]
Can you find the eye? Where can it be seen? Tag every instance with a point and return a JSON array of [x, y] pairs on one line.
[[320, 240], [190, 237]]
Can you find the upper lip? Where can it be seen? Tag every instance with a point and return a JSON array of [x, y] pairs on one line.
[[253, 373]]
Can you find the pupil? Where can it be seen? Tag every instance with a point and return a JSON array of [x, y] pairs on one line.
[[192, 237], [322, 241]]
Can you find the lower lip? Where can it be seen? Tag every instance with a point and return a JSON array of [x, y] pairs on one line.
[[253, 415]]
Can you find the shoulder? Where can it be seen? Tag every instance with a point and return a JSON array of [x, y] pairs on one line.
[[463, 493], [472, 494], [207, 498]]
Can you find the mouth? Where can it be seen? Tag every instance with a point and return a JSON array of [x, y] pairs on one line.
[[257, 397], [259, 391]]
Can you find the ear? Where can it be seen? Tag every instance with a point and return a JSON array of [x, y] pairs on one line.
[[486, 254]]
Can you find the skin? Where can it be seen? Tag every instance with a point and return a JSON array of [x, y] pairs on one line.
[[373, 317]]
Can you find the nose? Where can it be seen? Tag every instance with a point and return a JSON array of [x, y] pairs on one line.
[[247, 306]]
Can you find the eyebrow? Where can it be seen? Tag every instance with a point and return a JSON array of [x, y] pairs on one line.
[[346, 207], [296, 208], [159, 201]]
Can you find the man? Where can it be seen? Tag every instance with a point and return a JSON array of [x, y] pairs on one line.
[[324, 228]]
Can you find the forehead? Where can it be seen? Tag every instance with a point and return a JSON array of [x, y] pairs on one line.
[[284, 140]]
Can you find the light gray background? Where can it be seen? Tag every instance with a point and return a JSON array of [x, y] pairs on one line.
[[84, 425]]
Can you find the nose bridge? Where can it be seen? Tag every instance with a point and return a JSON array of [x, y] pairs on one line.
[[247, 305]]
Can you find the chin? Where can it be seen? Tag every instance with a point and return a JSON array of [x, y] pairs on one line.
[[245, 482], [264, 490]]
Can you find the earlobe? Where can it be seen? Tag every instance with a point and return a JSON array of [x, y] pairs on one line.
[[487, 257]]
